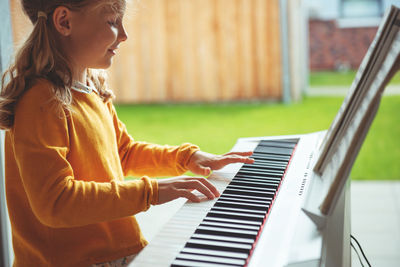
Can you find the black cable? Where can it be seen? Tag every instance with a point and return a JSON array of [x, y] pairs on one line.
[[358, 255], [358, 244]]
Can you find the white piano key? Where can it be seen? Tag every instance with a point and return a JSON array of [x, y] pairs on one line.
[[228, 254], [248, 192], [241, 205], [252, 188], [219, 245], [264, 167], [239, 210], [259, 159], [223, 238], [254, 184], [261, 170], [237, 221], [212, 259], [271, 155], [260, 177], [235, 215], [265, 162], [186, 263], [275, 181], [230, 225], [247, 197], [226, 231], [269, 173], [245, 200]]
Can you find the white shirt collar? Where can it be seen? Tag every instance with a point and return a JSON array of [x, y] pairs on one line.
[[83, 88]]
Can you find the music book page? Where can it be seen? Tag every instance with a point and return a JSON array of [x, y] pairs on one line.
[[345, 136], [365, 76]]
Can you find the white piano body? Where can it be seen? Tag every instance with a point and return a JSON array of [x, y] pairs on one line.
[[288, 237]]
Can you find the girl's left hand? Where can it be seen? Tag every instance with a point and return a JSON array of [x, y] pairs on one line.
[[203, 163]]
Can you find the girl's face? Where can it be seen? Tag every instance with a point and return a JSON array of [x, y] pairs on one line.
[[96, 33]]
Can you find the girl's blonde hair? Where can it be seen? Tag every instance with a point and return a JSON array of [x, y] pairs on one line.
[[40, 57]]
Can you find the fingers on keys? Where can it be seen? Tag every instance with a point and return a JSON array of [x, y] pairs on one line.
[[189, 185], [237, 157]]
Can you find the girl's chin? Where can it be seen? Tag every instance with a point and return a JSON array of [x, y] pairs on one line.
[[103, 65]]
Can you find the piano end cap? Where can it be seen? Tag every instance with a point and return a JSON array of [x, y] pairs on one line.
[[316, 217]]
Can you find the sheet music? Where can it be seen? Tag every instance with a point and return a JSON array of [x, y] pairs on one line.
[[327, 142], [364, 77], [357, 126]]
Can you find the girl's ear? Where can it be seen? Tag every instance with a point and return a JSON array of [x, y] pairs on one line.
[[62, 20]]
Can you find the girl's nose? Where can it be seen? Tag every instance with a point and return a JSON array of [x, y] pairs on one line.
[[122, 35]]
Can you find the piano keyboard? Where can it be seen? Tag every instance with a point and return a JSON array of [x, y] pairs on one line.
[[228, 233]]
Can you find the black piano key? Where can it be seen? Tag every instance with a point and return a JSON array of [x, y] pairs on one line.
[[270, 157], [240, 205], [242, 200], [258, 175], [225, 238], [264, 167], [267, 158], [254, 184], [268, 179], [251, 188], [274, 150], [211, 259], [218, 253], [187, 263], [230, 225], [271, 182], [265, 178], [267, 165], [219, 245], [278, 144], [262, 170], [246, 197], [236, 215], [242, 211], [230, 232], [266, 162], [244, 192], [234, 221], [269, 173]]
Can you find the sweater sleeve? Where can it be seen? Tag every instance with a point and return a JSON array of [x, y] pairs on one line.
[[40, 142], [141, 158]]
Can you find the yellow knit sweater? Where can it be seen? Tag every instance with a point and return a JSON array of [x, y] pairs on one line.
[[68, 202]]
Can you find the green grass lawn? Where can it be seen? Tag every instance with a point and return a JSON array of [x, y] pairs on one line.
[[331, 78], [216, 127]]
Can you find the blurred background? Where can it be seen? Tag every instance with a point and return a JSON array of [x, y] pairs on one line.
[[212, 71]]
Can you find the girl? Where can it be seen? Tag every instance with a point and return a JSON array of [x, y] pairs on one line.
[[66, 151]]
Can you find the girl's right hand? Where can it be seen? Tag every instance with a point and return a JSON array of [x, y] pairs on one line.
[[172, 188]]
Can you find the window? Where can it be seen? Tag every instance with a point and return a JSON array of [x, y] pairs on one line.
[[361, 8]]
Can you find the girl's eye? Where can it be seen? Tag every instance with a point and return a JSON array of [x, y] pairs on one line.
[[113, 23]]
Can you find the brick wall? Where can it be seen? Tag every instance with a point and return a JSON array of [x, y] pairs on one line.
[[332, 48]]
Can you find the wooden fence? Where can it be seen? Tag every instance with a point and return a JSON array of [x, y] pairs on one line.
[[199, 50], [195, 51]]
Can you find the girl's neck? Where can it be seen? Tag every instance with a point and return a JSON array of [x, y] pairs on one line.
[[80, 76]]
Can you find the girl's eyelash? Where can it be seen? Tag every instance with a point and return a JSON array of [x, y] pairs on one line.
[[113, 23]]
